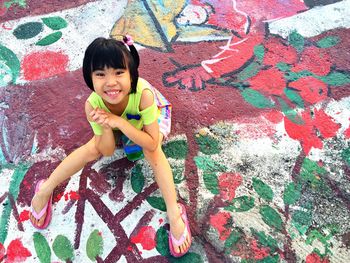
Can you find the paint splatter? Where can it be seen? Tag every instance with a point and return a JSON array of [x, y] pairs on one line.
[[220, 222], [16, 252], [24, 216], [228, 183], [146, 237], [72, 195]]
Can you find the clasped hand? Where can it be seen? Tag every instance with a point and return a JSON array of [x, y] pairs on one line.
[[104, 118]]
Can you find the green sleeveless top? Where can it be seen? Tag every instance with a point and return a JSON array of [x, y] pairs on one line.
[[132, 111]]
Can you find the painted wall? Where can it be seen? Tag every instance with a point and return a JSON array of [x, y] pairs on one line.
[[260, 134]]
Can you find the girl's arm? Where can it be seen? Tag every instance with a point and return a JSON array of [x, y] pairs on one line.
[[104, 143]]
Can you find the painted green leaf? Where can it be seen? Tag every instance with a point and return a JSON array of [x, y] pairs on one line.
[[55, 22], [241, 204], [94, 245], [271, 217], [265, 240], [50, 39], [259, 52], [302, 220], [187, 258], [207, 164], [137, 179], [311, 173], [327, 42], [21, 3], [211, 182], [177, 149], [263, 190], [28, 30], [292, 193], [283, 66], [42, 248], [11, 61], [236, 235], [297, 41], [294, 76], [162, 242], [346, 155], [157, 202], [336, 78], [208, 144], [294, 97], [256, 99], [290, 113], [63, 248], [250, 71]]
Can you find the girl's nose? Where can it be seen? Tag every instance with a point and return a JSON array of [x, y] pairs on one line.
[[111, 81]]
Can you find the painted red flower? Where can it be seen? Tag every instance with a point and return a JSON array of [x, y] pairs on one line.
[[228, 183], [314, 59], [307, 133], [347, 132], [311, 89], [270, 81], [3, 9], [219, 222], [146, 237], [2, 252], [314, 258], [277, 52], [16, 252]]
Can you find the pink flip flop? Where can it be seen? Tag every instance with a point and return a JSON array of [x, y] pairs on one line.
[[47, 208], [178, 242]]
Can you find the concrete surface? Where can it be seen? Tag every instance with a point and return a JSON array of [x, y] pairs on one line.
[[260, 138]]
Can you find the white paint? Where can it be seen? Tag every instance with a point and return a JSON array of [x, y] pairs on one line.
[[314, 21]]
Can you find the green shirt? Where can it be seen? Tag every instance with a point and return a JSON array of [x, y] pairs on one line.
[[132, 111]]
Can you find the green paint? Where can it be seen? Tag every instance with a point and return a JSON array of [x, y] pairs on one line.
[[187, 258], [28, 30], [290, 113], [336, 78], [21, 3], [137, 179], [292, 193], [177, 149], [178, 174], [294, 97], [301, 220], [259, 52], [208, 144], [241, 204], [269, 259], [294, 76], [49, 39], [312, 173], [63, 248], [5, 79], [55, 22], [236, 235], [94, 245], [327, 42], [156, 202], [211, 182], [263, 190], [346, 155], [256, 99], [249, 71], [207, 164], [271, 217], [283, 66], [297, 41], [162, 242], [11, 61], [42, 248], [265, 240]]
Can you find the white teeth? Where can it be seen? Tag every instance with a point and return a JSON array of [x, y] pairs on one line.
[[112, 92]]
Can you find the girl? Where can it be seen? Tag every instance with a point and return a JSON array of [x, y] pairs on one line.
[[122, 107]]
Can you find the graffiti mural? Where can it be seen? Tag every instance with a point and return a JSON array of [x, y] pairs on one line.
[[260, 141]]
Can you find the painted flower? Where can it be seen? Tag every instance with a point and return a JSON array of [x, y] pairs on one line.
[[277, 52], [220, 221], [16, 252], [314, 128], [314, 258], [228, 183], [311, 89], [146, 237], [270, 81]]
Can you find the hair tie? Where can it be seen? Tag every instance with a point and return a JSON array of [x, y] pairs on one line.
[[128, 40]]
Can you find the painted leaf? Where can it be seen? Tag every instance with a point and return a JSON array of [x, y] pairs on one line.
[[346, 155], [297, 41], [283, 66], [236, 235], [271, 217], [241, 204], [256, 99], [55, 22], [250, 71], [157, 202], [336, 78], [294, 97], [211, 182], [209, 165], [28, 30], [290, 113], [189, 257], [208, 144], [302, 217], [263, 190], [259, 52], [265, 240], [177, 149], [50, 39], [327, 42], [94, 245], [63, 248], [162, 242], [137, 179], [292, 193], [42, 248], [11, 61]]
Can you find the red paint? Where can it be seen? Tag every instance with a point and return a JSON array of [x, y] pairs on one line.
[[325, 124], [270, 81], [311, 89], [161, 221], [277, 52], [273, 116], [24, 216], [228, 183], [3, 9], [16, 252], [41, 65], [347, 133], [315, 60], [259, 252], [2, 251], [219, 222], [58, 197], [314, 258], [72, 195], [146, 237], [129, 248]]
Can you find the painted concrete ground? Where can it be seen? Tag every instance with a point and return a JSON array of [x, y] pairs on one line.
[[260, 143]]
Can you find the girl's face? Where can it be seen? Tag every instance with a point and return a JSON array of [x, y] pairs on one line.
[[112, 85]]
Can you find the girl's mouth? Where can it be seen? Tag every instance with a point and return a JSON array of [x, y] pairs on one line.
[[112, 93]]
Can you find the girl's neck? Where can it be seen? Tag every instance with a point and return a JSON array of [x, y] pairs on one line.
[[119, 108]]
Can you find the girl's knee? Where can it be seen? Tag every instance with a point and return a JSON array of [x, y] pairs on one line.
[[92, 151]]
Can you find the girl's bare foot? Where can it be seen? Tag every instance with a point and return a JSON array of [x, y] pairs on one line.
[[177, 228], [39, 201]]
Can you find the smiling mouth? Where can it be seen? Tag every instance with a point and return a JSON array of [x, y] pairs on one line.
[[112, 92]]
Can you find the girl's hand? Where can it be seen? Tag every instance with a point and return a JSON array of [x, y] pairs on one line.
[[105, 119]]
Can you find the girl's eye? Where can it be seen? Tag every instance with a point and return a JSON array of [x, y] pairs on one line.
[[119, 72], [99, 74]]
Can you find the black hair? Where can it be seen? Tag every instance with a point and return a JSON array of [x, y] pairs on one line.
[[110, 53]]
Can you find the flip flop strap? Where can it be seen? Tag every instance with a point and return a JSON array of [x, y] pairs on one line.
[[41, 213], [179, 242]]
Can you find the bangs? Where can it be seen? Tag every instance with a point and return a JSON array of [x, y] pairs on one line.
[[108, 56]]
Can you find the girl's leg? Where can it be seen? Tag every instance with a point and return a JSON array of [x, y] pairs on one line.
[[164, 179], [69, 166]]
